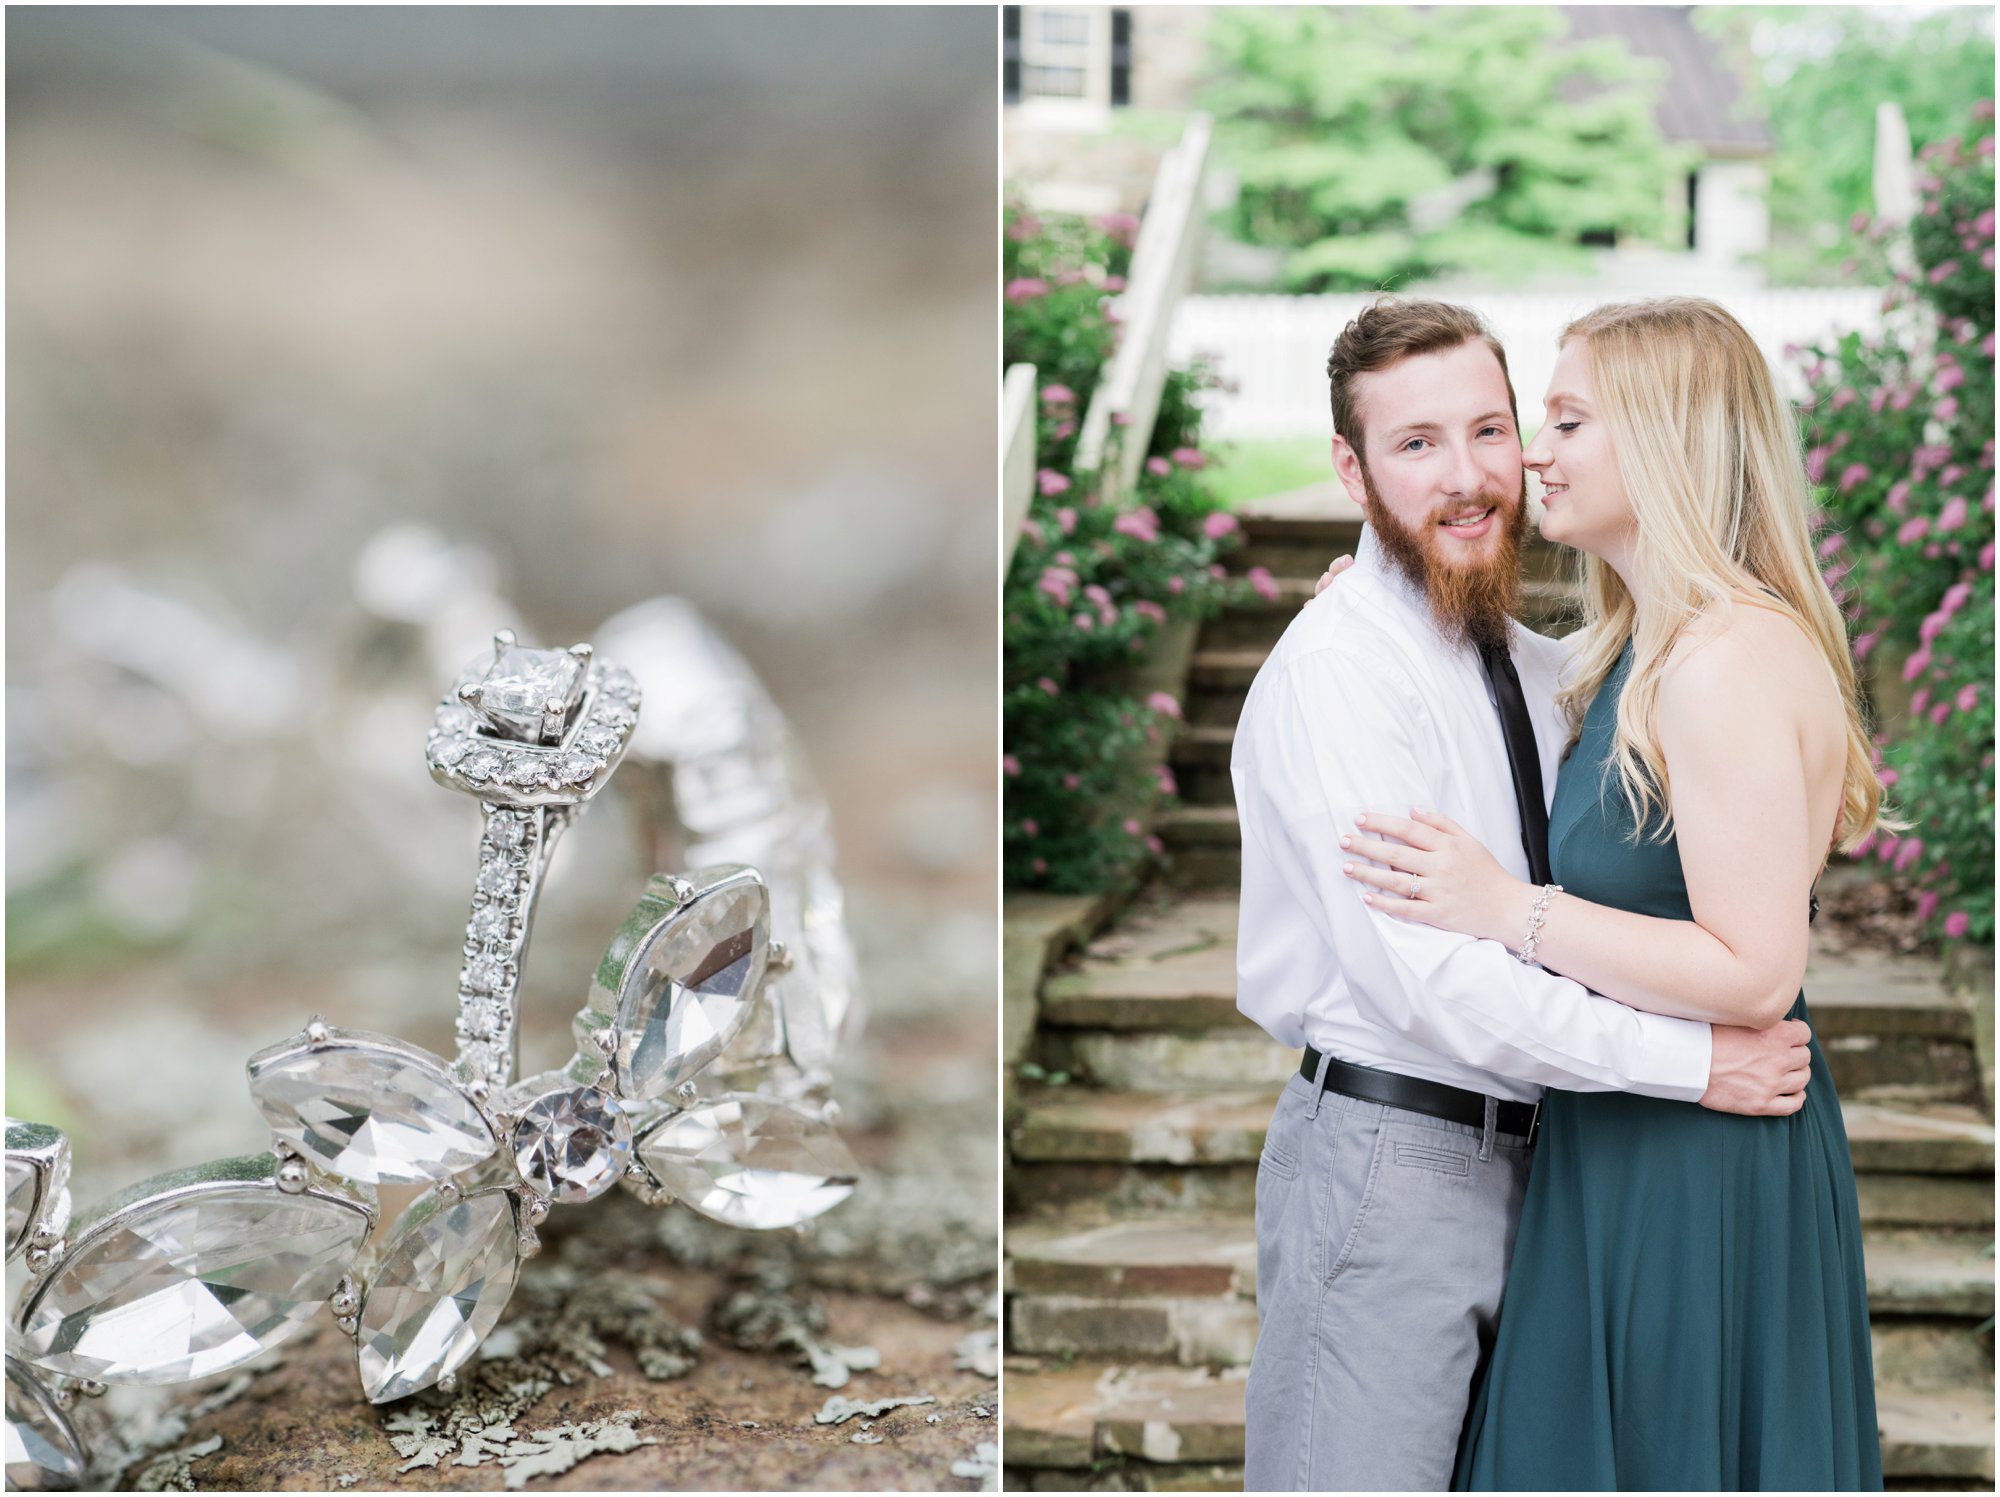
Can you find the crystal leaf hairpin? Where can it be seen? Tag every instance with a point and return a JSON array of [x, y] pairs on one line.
[[680, 980], [196, 1272]]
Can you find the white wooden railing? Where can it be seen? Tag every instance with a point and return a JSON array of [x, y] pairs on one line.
[[1164, 261], [1273, 348], [1017, 462]]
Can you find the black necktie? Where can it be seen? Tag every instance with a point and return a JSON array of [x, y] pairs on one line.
[[1524, 758]]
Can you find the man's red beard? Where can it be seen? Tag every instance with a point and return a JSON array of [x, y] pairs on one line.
[[1471, 604]]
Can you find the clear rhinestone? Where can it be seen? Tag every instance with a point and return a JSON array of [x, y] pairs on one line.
[[42, 1450], [526, 769], [490, 922], [452, 718], [693, 987], [572, 1144], [483, 1061], [205, 1270], [440, 1288], [480, 764], [482, 1018], [507, 831], [450, 751], [376, 1111], [611, 716], [750, 1162], [498, 879], [485, 974], [599, 741], [577, 767], [20, 1201], [520, 684]]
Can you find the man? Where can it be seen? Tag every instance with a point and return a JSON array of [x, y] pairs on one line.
[[1393, 1172]]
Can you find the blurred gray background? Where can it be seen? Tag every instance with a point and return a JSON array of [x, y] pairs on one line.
[[329, 326]]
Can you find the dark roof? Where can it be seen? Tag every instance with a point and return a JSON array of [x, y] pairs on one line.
[[1701, 100]]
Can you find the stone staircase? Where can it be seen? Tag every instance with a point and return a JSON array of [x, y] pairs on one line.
[[1131, 1268]]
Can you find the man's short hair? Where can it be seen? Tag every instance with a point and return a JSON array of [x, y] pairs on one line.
[[1389, 330]]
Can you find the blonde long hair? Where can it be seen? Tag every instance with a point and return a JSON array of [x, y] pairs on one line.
[[1709, 453]]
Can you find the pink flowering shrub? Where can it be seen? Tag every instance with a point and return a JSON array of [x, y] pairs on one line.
[[1091, 583], [1899, 431]]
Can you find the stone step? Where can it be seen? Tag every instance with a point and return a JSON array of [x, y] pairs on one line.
[[1936, 1435], [1166, 1425], [1199, 869], [1077, 1417], [1227, 1127], [1162, 1061], [1192, 1128], [1224, 670], [1929, 1273], [1184, 947], [1177, 1260], [1334, 531], [1930, 1353], [1184, 951], [1235, 1053], [1043, 1191], [1185, 1332], [1204, 746], [1255, 623], [1933, 1351], [1200, 826], [1204, 841], [1956, 1202], [1045, 1188], [1283, 559], [1163, 1256], [1174, 967]]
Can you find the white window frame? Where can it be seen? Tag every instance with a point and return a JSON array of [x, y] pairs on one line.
[[1092, 110]]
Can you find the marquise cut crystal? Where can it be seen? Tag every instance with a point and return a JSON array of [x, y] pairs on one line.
[[441, 1286], [42, 1451], [369, 1109], [693, 988], [202, 1270], [748, 1161]]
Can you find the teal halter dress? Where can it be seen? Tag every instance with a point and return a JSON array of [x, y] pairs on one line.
[[1687, 1308]]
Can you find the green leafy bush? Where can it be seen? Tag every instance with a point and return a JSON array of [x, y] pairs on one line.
[[1092, 583], [1381, 144], [1900, 428]]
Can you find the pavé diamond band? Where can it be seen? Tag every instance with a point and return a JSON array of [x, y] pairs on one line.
[[699, 1076], [533, 735]]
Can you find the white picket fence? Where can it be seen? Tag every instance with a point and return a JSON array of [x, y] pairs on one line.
[[1273, 348]]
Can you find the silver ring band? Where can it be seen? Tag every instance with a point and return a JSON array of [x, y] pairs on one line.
[[683, 982]]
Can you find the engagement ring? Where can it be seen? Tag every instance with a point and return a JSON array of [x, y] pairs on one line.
[[699, 1074]]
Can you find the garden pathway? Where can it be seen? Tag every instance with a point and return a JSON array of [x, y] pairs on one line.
[[1131, 1263]]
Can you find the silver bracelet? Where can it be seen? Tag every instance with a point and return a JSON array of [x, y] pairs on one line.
[[1536, 916], [700, 1075]]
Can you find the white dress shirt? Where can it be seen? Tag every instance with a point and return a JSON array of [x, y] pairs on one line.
[[1365, 706]]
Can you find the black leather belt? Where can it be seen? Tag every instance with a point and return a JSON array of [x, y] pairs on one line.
[[1432, 1098]]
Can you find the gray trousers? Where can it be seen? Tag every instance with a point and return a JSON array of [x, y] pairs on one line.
[[1383, 1238]]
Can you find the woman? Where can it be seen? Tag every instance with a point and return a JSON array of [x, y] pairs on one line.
[[1686, 1307]]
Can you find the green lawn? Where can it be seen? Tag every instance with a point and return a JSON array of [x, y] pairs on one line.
[[1274, 465]]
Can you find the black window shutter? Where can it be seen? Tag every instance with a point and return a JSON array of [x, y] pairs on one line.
[[1010, 54], [1121, 57]]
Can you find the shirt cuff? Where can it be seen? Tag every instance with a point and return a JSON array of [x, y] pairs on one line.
[[1674, 1057]]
